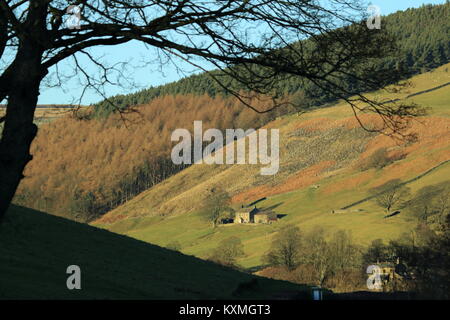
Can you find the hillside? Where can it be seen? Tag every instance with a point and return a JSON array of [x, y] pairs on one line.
[[323, 167], [422, 35], [36, 249], [136, 146]]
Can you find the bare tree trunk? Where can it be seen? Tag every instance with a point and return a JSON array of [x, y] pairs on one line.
[[19, 129]]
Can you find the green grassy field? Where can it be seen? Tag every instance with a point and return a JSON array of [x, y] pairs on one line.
[[170, 211], [306, 208], [36, 249]]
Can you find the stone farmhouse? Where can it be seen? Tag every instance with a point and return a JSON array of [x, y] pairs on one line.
[[390, 272], [255, 215]]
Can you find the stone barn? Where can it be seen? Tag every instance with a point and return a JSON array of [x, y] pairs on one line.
[[273, 217], [265, 217], [246, 216], [261, 217], [255, 215]]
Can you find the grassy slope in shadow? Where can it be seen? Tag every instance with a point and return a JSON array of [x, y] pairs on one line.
[[36, 249]]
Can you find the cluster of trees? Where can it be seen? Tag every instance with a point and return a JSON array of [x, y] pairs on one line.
[[425, 250], [313, 257], [93, 165], [423, 33], [217, 207], [335, 261], [379, 159], [423, 44], [429, 204], [421, 258], [227, 252], [425, 256]]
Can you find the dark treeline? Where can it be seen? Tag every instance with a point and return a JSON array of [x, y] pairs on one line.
[[423, 40], [88, 204]]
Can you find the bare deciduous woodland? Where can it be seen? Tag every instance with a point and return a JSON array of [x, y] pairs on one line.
[[107, 163]]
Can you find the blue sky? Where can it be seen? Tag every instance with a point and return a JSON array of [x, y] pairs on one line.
[[152, 74]]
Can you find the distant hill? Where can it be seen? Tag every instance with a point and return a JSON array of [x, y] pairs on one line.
[[51, 106], [36, 249], [423, 39], [48, 112]]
